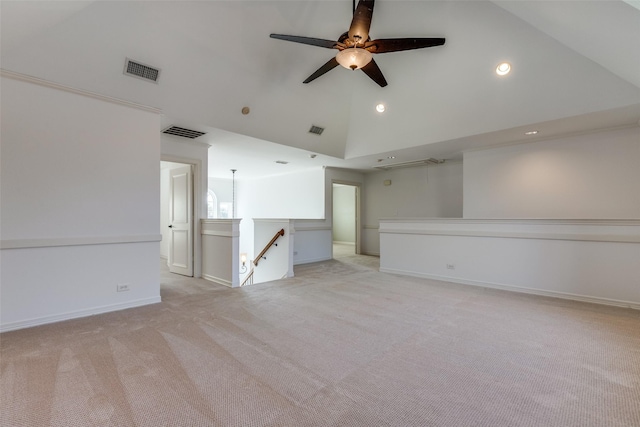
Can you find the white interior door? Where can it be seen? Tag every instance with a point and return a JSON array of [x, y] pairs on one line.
[[181, 221]]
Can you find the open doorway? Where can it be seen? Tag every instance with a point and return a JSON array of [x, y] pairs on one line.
[[345, 219], [177, 217]]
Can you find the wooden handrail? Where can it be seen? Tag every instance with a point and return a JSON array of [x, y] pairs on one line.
[[266, 248]]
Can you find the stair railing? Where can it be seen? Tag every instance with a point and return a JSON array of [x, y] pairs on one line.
[[266, 248], [249, 279]]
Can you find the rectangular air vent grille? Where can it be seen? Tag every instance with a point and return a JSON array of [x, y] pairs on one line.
[[316, 130], [185, 133], [136, 69]]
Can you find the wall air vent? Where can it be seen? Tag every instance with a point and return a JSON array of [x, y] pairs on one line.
[[316, 130], [413, 163], [141, 71], [185, 133]]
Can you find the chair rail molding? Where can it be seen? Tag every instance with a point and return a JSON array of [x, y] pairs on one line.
[[586, 260]]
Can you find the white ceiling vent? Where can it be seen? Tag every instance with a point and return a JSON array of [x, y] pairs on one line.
[[141, 71], [316, 130], [429, 161], [185, 133]]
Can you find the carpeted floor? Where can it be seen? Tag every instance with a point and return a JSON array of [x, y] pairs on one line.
[[340, 344]]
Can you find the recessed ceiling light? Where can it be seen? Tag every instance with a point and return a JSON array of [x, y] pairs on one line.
[[391, 157], [531, 132], [380, 108], [503, 69]]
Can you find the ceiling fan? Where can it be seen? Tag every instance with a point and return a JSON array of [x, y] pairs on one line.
[[356, 47]]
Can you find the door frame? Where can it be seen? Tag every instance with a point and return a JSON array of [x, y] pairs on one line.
[[198, 205], [358, 187]]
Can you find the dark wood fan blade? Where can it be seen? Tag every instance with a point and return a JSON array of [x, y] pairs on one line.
[[372, 70], [361, 22], [395, 45], [329, 44], [330, 65]]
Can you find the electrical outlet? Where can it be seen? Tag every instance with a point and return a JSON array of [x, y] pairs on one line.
[[451, 267], [122, 287]]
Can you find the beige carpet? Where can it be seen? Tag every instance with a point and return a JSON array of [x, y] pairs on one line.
[[338, 345]]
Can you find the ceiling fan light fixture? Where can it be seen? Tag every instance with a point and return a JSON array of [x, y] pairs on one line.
[[503, 69], [354, 58]]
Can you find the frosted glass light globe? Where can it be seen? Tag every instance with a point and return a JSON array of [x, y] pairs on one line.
[[354, 58]]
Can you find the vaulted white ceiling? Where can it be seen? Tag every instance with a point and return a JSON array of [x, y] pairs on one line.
[[576, 67]]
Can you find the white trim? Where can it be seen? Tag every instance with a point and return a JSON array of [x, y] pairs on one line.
[[217, 280], [511, 288], [323, 228], [77, 241], [77, 314], [376, 254], [223, 227], [311, 260], [529, 221], [34, 80], [592, 230], [514, 235], [220, 233]]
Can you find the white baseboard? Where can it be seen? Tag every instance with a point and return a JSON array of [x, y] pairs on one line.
[[371, 253], [217, 280], [511, 288], [77, 314], [338, 242], [310, 260]]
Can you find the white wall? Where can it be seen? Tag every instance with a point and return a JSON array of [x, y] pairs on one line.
[[95, 224], [586, 176], [557, 217], [304, 196], [344, 213], [585, 260], [421, 192], [312, 241], [277, 262], [294, 195], [220, 251]]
